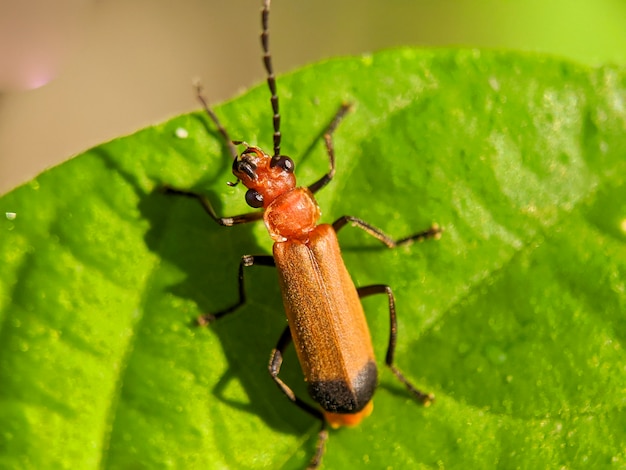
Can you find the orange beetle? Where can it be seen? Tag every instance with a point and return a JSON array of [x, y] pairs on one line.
[[326, 321]]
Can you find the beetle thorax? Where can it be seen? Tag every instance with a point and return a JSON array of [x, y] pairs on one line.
[[292, 215]]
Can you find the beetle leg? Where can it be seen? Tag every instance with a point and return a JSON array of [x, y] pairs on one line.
[[425, 398], [208, 207], [246, 260], [276, 361], [328, 133], [433, 232]]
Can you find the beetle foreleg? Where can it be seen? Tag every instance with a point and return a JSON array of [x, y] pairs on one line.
[[425, 398], [208, 207], [328, 140]]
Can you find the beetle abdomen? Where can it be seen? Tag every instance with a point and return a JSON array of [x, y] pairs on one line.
[[340, 396]]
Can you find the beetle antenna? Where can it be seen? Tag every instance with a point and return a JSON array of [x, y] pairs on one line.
[[220, 127], [271, 79]]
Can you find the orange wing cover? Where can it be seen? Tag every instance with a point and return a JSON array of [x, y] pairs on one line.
[[327, 323]]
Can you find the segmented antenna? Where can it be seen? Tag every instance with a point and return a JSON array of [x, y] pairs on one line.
[[271, 79], [221, 129]]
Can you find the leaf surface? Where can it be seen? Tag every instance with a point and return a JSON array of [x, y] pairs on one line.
[[514, 319]]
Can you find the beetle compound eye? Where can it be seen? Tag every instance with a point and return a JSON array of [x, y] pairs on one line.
[[254, 198], [283, 162]]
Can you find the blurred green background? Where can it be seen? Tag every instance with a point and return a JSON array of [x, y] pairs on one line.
[[123, 64]]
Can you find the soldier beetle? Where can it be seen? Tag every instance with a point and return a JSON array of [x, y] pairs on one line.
[[326, 322]]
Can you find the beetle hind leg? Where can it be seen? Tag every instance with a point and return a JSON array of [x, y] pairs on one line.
[[276, 361], [425, 398]]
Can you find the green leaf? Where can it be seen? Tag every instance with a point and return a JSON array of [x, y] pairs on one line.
[[514, 319]]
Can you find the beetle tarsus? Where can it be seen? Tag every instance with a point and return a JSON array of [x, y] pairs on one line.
[[205, 319], [320, 447], [434, 232], [426, 399]]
